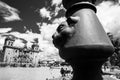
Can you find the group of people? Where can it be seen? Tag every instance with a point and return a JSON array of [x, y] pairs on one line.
[[66, 72], [113, 60]]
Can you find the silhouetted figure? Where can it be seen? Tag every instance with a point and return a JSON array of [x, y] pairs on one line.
[[62, 71]]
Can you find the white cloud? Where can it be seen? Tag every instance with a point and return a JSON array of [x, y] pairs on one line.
[[58, 6], [47, 30], [109, 15], [45, 13], [27, 36], [59, 20], [18, 43], [4, 30], [56, 2], [8, 13], [57, 9], [13, 17], [2, 40]]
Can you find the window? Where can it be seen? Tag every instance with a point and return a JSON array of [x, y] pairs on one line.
[[9, 43]]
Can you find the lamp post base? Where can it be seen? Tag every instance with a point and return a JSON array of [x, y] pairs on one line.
[[86, 70]]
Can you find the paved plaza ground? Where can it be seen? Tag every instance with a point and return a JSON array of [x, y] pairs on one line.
[[42, 73]]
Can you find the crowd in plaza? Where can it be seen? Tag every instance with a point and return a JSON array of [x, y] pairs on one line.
[[114, 60], [112, 65]]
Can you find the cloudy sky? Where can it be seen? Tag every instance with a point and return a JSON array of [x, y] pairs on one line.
[[31, 20]]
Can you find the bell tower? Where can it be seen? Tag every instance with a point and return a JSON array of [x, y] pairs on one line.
[[9, 42], [35, 50], [35, 47], [8, 49]]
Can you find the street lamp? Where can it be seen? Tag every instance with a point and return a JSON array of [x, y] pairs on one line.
[[82, 41]]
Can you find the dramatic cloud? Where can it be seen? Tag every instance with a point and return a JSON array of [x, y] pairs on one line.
[[56, 2], [18, 43], [29, 36], [47, 30], [59, 20], [57, 9], [45, 13], [8, 13], [108, 13], [2, 40], [58, 6], [5, 30]]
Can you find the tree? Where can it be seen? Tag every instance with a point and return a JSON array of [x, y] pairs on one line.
[[115, 58]]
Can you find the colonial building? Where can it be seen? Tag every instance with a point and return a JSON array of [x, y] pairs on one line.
[[17, 55], [8, 50]]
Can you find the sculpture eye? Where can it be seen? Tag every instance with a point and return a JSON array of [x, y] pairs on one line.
[[60, 27]]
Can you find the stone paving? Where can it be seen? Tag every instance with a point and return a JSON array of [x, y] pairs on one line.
[[41, 73]]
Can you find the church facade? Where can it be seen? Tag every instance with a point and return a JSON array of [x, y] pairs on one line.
[[15, 55]]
